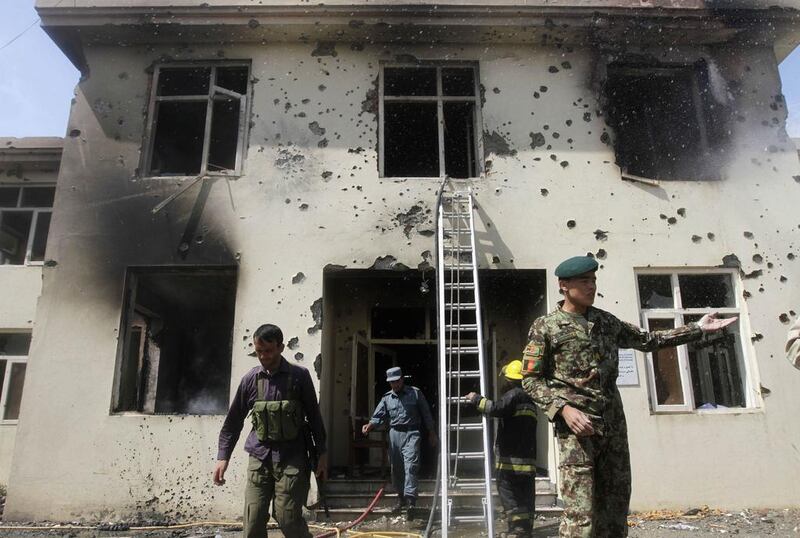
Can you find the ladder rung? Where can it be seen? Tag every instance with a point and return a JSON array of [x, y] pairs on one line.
[[460, 248], [456, 231], [464, 374], [464, 350], [457, 399], [468, 519], [460, 286], [468, 455], [460, 306], [455, 214], [477, 426], [457, 266], [468, 327]]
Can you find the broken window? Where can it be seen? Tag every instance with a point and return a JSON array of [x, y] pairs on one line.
[[175, 354], [25, 213], [14, 347], [198, 120], [668, 121], [707, 374], [429, 121]]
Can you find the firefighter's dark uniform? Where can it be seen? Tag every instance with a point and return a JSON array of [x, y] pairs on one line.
[[515, 453]]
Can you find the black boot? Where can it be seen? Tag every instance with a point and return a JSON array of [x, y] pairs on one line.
[[399, 508], [411, 508]]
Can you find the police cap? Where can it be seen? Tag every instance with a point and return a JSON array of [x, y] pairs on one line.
[[575, 266]]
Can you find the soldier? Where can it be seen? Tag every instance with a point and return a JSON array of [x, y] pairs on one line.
[[570, 366], [515, 449], [404, 408], [281, 397]]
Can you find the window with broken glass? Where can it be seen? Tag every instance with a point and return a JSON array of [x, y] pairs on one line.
[[429, 120], [14, 347], [175, 351], [198, 119], [708, 374], [25, 213], [669, 120]]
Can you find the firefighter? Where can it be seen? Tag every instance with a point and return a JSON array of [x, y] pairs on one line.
[[515, 448]]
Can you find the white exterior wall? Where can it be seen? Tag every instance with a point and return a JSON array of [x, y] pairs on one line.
[[104, 465], [20, 287]]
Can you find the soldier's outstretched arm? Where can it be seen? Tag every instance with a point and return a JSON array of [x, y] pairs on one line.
[[631, 336]]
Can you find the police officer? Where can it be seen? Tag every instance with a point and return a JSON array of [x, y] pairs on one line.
[[404, 408], [515, 449], [282, 398], [570, 366]]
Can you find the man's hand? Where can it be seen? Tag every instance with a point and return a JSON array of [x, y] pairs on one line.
[[366, 428], [471, 396], [577, 421], [710, 323], [433, 439], [219, 472], [322, 467]]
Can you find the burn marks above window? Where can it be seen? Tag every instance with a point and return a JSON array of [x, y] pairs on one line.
[[668, 123], [429, 118], [175, 354], [198, 120]]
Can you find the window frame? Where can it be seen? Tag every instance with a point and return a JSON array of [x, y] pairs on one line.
[[129, 308], [11, 360], [439, 99], [244, 115], [36, 210], [676, 314]]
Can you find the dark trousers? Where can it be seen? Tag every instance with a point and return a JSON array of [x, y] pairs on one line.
[[286, 485], [517, 495]]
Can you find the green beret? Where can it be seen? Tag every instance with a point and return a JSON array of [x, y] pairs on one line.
[[575, 266]]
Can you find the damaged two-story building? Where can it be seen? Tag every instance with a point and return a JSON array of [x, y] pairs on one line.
[[232, 162]]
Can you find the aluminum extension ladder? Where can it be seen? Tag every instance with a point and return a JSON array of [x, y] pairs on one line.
[[465, 441]]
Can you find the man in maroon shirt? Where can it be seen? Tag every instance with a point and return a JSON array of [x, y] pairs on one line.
[[279, 466]]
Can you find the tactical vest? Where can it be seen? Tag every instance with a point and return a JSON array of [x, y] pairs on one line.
[[277, 420]]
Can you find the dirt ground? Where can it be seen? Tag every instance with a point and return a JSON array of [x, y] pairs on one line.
[[698, 523]]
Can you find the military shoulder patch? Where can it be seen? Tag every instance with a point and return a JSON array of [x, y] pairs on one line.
[[532, 358]]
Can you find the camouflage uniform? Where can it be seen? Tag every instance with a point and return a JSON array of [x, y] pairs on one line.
[[572, 359]]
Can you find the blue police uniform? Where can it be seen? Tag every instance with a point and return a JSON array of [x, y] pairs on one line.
[[405, 412]]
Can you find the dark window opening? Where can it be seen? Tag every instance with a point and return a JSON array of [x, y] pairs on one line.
[[458, 81], [9, 196], [15, 229], [184, 81], [178, 144], [409, 81], [224, 127], [429, 118], [666, 123], [412, 140], [23, 232], [716, 374], [459, 140], [14, 349], [184, 141], [176, 353]]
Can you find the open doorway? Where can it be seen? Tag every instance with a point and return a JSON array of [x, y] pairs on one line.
[[376, 319]]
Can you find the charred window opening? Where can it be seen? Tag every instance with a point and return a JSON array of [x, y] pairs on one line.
[[428, 120], [198, 120], [667, 122], [14, 347], [175, 357], [24, 223], [707, 374]]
